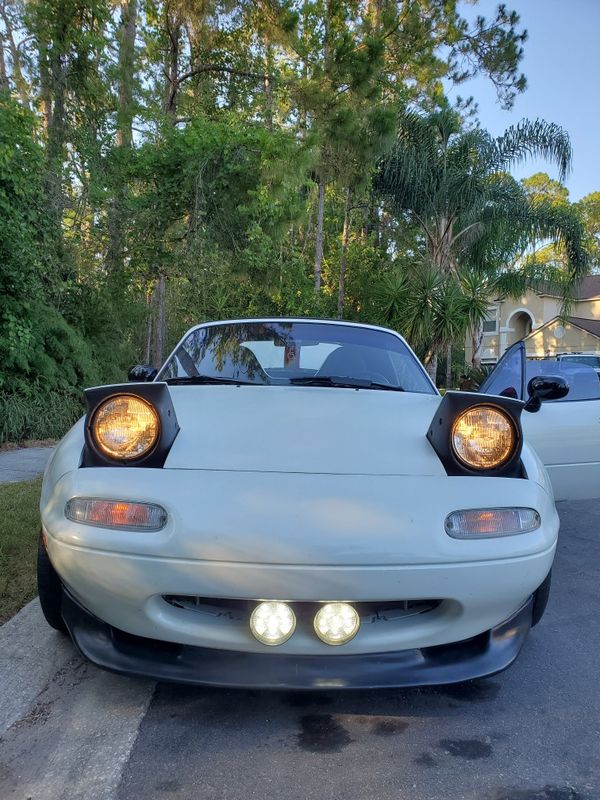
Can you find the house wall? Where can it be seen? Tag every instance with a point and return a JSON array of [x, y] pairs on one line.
[[558, 338], [588, 309], [510, 314]]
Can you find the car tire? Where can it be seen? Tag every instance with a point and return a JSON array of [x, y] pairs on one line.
[[49, 590], [540, 600]]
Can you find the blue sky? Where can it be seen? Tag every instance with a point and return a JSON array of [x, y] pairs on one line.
[[562, 68]]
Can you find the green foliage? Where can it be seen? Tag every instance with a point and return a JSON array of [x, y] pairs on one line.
[[38, 413], [430, 309], [215, 183], [476, 220], [542, 186], [161, 164], [43, 359], [589, 210], [22, 227], [47, 363], [471, 377]]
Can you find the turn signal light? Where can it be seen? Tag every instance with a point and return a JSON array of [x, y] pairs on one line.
[[481, 523], [116, 514]]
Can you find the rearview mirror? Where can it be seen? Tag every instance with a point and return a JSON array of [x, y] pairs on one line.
[[545, 387], [142, 373]]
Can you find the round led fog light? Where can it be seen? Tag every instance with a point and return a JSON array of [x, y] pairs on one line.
[[336, 623], [272, 622]]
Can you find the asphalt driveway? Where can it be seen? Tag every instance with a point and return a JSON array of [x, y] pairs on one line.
[[531, 733], [23, 464]]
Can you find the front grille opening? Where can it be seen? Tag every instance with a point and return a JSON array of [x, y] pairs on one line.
[[240, 610]]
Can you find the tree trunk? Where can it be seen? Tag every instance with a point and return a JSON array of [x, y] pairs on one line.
[[173, 30], [45, 87], [115, 254], [4, 84], [449, 367], [173, 25], [303, 117], [309, 226], [476, 342], [344, 257], [54, 55], [114, 247], [431, 367], [149, 313], [376, 225], [159, 327], [126, 38], [268, 86], [319, 237], [15, 57]]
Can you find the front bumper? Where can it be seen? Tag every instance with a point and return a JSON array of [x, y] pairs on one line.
[[298, 538], [477, 657]]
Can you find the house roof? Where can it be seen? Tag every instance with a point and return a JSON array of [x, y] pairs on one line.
[[589, 325], [587, 288]]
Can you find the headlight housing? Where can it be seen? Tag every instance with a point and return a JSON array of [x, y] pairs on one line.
[[125, 427], [484, 437]]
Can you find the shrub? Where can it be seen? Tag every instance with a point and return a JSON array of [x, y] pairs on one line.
[[38, 415]]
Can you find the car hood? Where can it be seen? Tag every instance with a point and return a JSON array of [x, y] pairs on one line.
[[303, 429]]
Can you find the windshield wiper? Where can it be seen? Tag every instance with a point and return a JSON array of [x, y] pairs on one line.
[[343, 383], [198, 380]]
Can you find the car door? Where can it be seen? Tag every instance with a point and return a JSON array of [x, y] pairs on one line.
[[565, 433]]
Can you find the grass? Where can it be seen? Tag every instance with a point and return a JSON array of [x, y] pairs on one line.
[[19, 529]]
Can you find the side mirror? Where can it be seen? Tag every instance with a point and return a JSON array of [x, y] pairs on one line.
[[142, 373], [545, 387]]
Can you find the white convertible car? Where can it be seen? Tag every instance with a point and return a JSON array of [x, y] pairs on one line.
[[290, 503], [566, 433]]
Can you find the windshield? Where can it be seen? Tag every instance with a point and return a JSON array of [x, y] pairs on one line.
[[590, 361], [583, 381], [507, 378], [281, 353]]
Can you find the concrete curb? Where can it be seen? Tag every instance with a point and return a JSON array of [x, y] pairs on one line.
[[31, 653], [67, 728]]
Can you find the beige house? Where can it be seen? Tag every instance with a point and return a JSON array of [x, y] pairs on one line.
[[535, 318]]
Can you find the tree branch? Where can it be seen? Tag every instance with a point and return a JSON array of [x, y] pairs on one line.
[[220, 68]]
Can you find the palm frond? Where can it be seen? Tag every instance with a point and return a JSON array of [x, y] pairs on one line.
[[478, 221], [531, 139]]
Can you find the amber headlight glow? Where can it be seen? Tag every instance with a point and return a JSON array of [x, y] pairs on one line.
[[483, 437], [125, 427]]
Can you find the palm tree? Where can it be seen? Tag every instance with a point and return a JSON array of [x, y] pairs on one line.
[[427, 307], [475, 218]]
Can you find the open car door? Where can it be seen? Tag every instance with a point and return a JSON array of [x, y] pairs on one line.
[[565, 433]]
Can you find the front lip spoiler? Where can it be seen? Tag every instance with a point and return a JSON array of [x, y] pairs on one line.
[[114, 650]]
